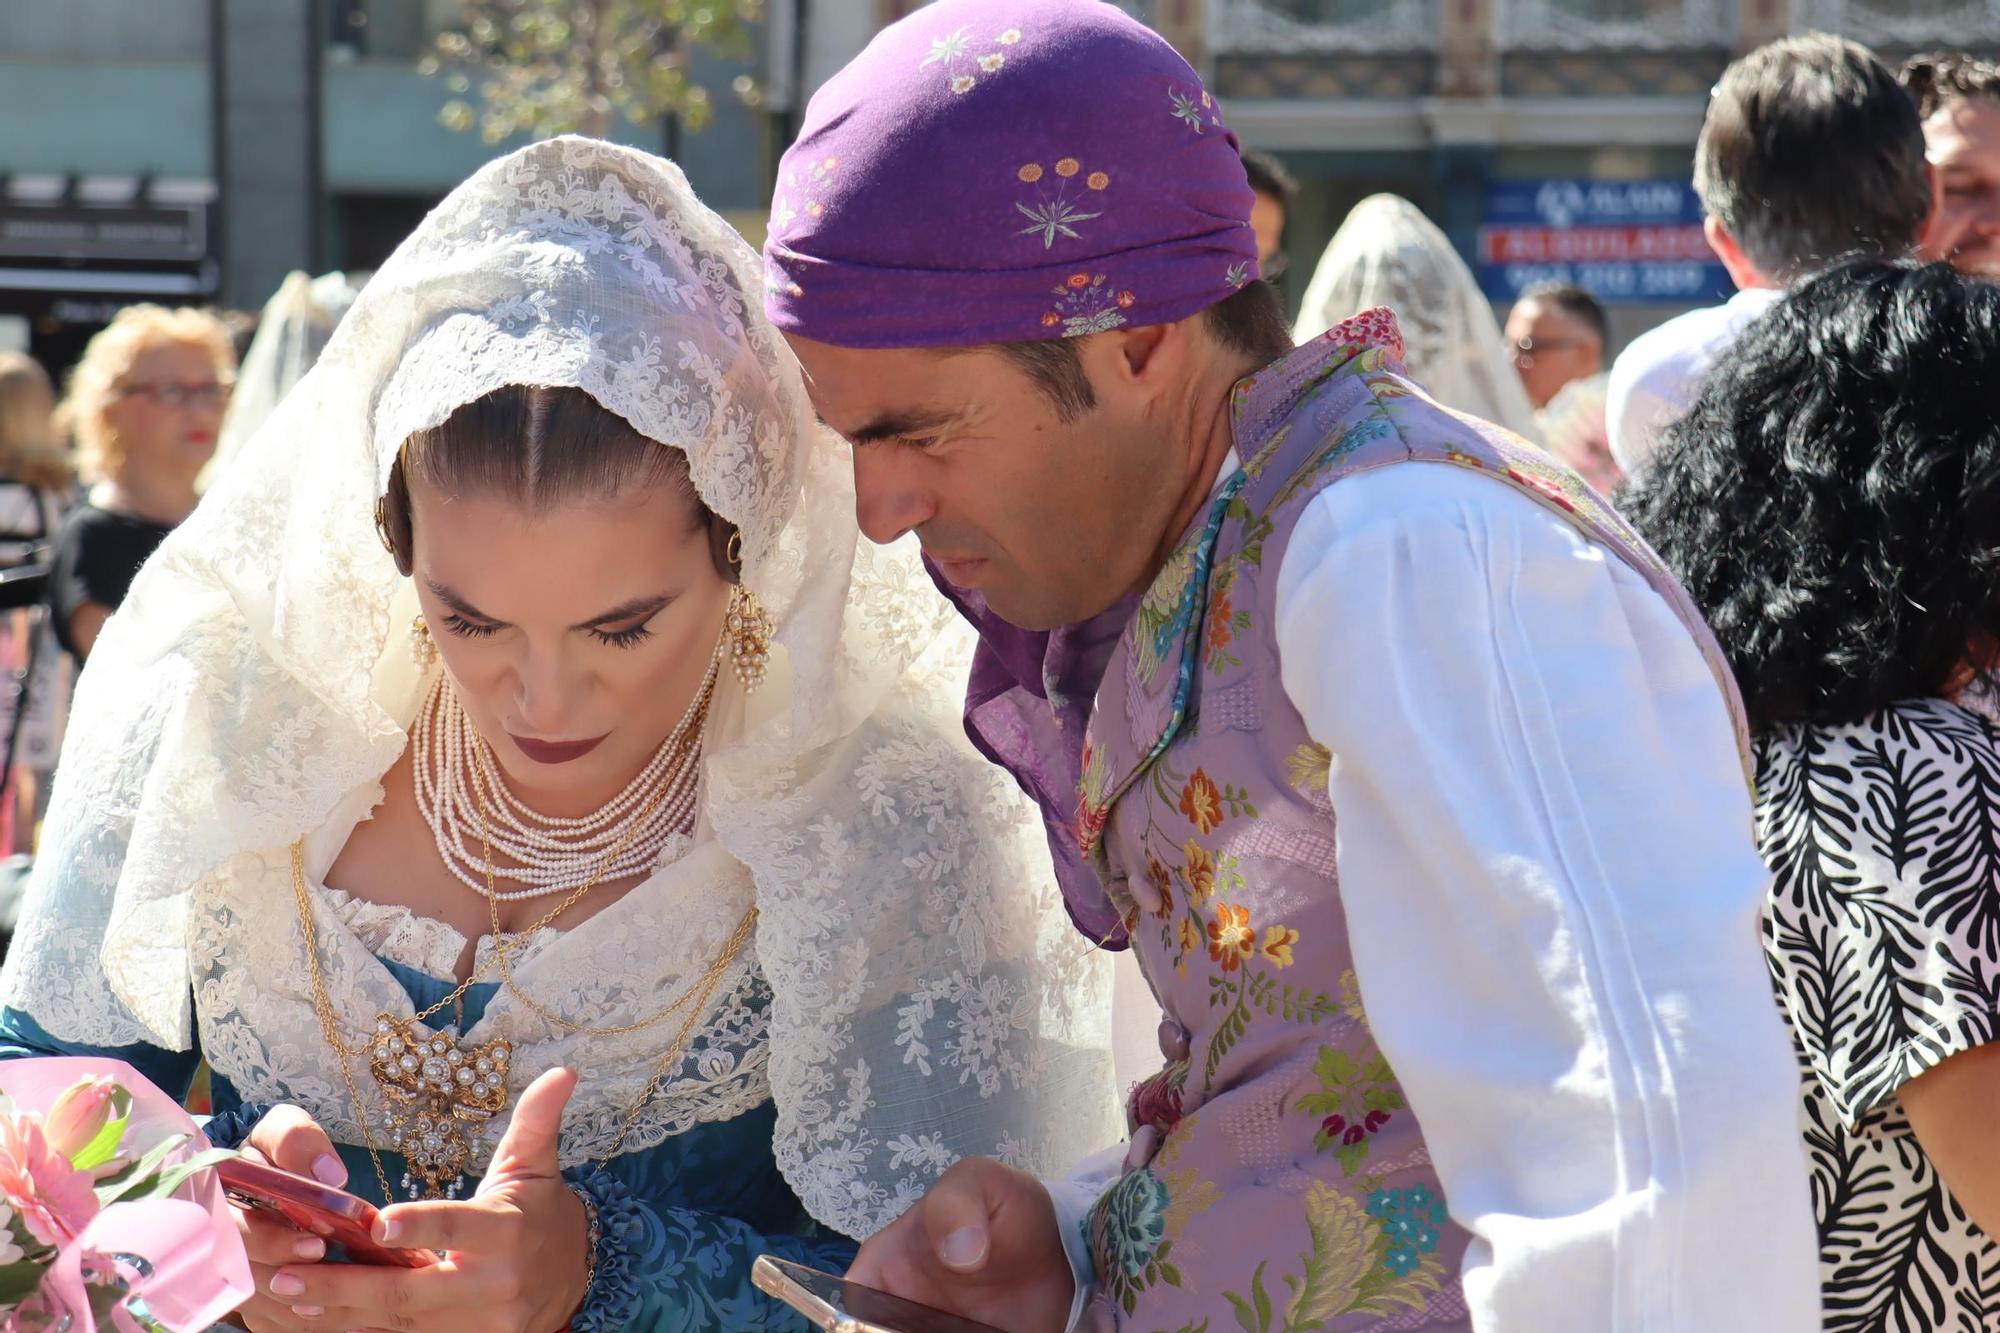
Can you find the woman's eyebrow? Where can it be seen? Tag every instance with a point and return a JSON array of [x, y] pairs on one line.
[[634, 609]]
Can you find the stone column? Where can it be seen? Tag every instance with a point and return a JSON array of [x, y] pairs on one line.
[[888, 11], [1185, 24], [1761, 21], [1469, 49], [266, 68]]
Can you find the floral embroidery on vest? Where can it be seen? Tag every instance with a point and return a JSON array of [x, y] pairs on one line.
[[1206, 802]]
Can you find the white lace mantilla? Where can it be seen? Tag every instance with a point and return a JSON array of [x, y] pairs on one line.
[[1387, 253], [927, 999], [260, 1029]]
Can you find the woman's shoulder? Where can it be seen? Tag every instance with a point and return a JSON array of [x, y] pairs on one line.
[[1907, 780], [1960, 733]]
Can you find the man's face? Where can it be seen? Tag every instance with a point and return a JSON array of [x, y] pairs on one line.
[[1550, 348], [1051, 520], [1267, 219], [1962, 138]]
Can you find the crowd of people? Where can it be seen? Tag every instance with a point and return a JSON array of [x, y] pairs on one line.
[[525, 770]]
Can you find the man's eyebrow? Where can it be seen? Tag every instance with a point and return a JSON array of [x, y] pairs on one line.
[[891, 425]]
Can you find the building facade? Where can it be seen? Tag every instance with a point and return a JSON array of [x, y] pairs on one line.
[[1550, 139], [197, 150]]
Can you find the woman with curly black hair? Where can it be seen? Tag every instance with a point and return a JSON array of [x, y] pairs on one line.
[[1832, 502]]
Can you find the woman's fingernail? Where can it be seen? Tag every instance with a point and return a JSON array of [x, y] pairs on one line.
[[963, 1248], [284, 1284], [310, 1248], [308, 1311], [329, 1170], [386, 1230]]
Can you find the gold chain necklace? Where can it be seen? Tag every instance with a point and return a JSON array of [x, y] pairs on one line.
[[503, 954], [330, 1023], [434, 1087]]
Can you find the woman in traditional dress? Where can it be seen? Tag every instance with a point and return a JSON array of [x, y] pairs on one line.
[[1387, 253], [520, 701], [1832, 502]]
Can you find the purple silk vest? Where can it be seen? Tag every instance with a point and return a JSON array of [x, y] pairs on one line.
[[1277, 1178]]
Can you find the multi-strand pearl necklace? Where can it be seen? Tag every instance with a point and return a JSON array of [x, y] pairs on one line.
[[465, 801]]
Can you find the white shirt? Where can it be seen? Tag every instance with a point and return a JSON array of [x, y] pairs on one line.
[[1553, 894], [1656, 379]]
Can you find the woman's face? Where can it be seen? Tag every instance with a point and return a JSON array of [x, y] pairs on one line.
[[166, 409], [576, 637]]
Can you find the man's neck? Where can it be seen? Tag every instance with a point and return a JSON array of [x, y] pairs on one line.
[[1209, 431], [162, 500]]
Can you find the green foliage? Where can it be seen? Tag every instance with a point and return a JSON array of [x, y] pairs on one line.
[[104, 1147], [547, 67], [151, 1178]]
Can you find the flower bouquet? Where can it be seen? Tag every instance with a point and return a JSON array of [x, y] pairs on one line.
[[109, 1215]]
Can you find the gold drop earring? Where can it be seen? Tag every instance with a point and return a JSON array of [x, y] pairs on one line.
[[423, 649], [749, 633], [746, 628]]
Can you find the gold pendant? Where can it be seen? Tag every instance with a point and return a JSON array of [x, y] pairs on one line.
[[437, 1090]]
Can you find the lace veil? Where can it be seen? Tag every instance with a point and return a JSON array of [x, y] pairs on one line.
[[926, 999], [291, 333], [1387, 253]]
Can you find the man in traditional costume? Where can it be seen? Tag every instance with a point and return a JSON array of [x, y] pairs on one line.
[[1501, 1054]]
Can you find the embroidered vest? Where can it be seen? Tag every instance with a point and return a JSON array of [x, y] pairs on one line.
[[1204, 802]]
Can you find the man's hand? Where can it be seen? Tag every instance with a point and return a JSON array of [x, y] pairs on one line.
[[983, 1244]]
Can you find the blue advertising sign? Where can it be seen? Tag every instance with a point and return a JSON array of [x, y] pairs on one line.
[[1622, 241]]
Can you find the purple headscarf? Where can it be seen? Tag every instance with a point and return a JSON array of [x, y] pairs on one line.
[[1006, 171], [1010, 171]]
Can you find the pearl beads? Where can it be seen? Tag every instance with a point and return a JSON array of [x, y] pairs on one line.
[[474, 816]]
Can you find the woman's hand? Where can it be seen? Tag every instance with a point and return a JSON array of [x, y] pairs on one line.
[[288, 1139], [516, 1252]]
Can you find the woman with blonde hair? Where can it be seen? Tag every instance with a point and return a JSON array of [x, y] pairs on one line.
[[144, 407]]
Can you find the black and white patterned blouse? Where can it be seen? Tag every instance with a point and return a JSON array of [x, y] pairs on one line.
[[1884, 939]]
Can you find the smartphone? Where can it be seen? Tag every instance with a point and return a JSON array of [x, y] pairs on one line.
[[839, 1306], [337, 1217]]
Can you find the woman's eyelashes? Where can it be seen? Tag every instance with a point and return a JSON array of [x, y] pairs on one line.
[[630, 637], [624, 638], [468, 629]]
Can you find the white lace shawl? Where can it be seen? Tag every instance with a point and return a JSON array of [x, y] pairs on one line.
[[1387, 253], [926, 998], [292, 331]]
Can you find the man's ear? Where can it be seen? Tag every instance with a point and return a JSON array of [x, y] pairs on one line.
[[1140, 349], [1743, 271]]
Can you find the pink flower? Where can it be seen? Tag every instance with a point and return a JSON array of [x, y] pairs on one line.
[[79, 1116], [53, 1198]]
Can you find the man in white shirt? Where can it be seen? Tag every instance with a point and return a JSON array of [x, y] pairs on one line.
[[1811, 151], [1495, 1051]]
